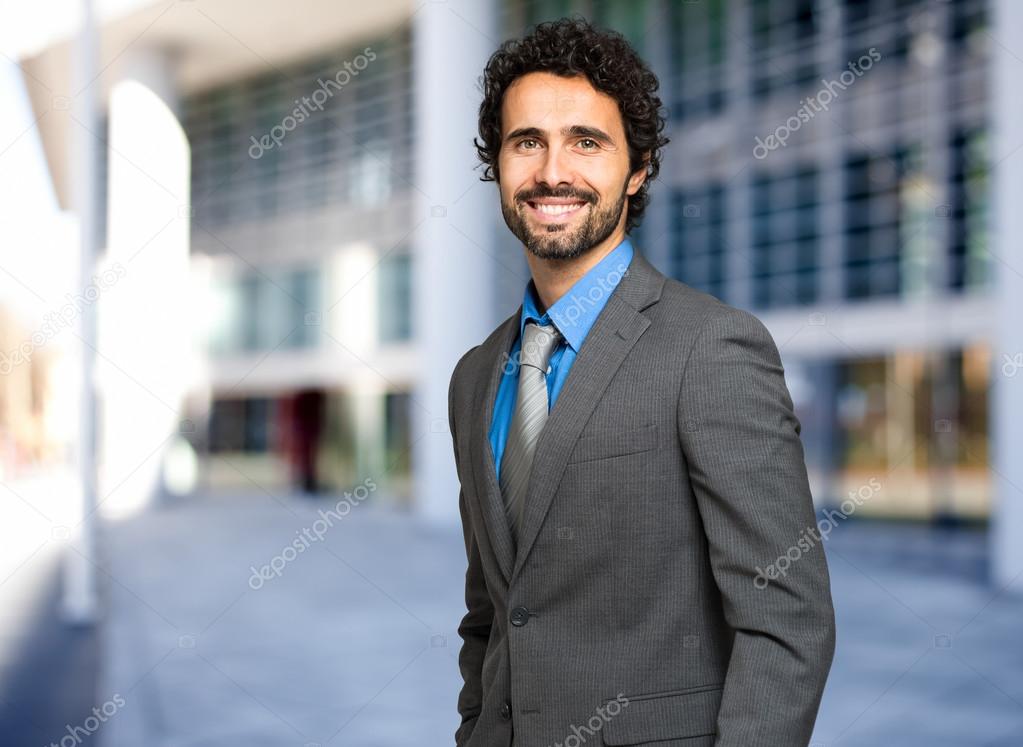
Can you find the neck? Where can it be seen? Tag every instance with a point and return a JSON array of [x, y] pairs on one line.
[[553, 277]]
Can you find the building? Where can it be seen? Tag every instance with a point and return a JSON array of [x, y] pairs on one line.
[[832, 169]]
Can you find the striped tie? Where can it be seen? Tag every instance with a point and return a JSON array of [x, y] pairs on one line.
[[528, 419]]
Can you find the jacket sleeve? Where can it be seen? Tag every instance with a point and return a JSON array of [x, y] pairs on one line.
[[474, 628], [740, 438]]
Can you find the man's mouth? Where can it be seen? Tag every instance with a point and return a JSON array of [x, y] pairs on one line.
[[550, 210]]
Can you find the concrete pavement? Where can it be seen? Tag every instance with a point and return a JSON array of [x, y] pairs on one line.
[[352, 640]]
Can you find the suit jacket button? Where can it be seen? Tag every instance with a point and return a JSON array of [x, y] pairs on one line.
[[519, 616], [506, 710]]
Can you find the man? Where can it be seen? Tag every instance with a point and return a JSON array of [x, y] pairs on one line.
[[628, 455]]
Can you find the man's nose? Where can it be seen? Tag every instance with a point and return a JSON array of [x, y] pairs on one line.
[[555, 169]]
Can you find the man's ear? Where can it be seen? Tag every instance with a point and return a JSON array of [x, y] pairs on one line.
[[639, 175]]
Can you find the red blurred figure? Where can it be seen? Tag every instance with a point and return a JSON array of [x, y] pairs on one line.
[[304, 428]]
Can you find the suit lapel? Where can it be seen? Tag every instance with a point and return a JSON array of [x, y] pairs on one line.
[[618, 327], [616, 330], [495, 352]]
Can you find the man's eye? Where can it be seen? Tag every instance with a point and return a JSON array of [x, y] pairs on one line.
[[527, 143], [593, 143]]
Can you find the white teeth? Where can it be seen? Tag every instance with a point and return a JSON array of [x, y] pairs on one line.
[[556, 209]]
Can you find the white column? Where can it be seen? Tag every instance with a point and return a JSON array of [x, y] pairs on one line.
[[1007, 245], [452, 267], [146, 356], [79, 602]]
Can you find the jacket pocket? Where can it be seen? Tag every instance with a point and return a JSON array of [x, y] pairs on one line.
[[673, 714], [614, 443]]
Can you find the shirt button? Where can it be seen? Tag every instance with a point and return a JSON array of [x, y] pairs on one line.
[[519, 616], [549, 368]]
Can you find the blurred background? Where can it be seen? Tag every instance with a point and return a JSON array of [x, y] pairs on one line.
[[228, 507]]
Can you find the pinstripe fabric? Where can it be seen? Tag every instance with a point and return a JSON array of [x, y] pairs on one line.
[[670, 472], [574, 314], [538, 342]]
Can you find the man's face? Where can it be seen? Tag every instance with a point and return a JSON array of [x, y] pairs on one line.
[[563, 165]]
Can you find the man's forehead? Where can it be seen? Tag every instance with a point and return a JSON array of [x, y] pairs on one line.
[[539, 98]]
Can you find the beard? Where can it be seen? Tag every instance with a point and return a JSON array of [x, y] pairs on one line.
[[557, 240]]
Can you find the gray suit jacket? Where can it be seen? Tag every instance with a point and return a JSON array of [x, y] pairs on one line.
[[640, 606]]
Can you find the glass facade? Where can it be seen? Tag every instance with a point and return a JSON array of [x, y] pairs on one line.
[[697, 250], [698, 37], [263, 310], [328, 132], [628, 17], [878, 198], [783, 36], [970, 184], [394, 296], [307, 161], [870, 190], [785, 238], [879, 195], [873, 212], [916, 422]]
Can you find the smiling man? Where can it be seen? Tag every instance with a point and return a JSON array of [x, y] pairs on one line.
[[627, 451]]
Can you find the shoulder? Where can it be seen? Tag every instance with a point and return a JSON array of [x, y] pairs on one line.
[[460, 366], [475, 362], [704, 322]]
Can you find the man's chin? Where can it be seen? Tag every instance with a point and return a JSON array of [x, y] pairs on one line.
[[555, 246]]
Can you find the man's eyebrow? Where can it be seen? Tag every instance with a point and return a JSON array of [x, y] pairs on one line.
[[571, 131]]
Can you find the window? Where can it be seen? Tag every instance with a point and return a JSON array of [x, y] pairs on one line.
[[370, 172], [628, 17], [259, 413], [268, 103], [266, 310], [398, 433], [697, 246], [697, 42], [249, 292], [872, 253], [968, 23], [395, 297], [227, 425], [785, 251], [349, 142], [970, 184], [305, 303], [886, 25], [226, 316], [242, 425], [783, 45]]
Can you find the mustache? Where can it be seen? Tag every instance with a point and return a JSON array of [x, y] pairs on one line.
[[536, 194]]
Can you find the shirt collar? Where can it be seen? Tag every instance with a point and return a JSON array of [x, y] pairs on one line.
[[575, 312]]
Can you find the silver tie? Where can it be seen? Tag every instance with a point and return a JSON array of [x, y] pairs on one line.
[[528, 419]]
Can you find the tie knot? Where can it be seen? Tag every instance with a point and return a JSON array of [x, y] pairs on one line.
[[537, 345]]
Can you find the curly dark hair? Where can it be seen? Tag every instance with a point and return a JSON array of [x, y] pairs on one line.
[[569, 47]]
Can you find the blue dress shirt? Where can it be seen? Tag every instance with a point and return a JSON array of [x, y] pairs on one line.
[[573, 314]]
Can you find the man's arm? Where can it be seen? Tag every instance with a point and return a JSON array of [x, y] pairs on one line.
[[740, 438], [474, 628]]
